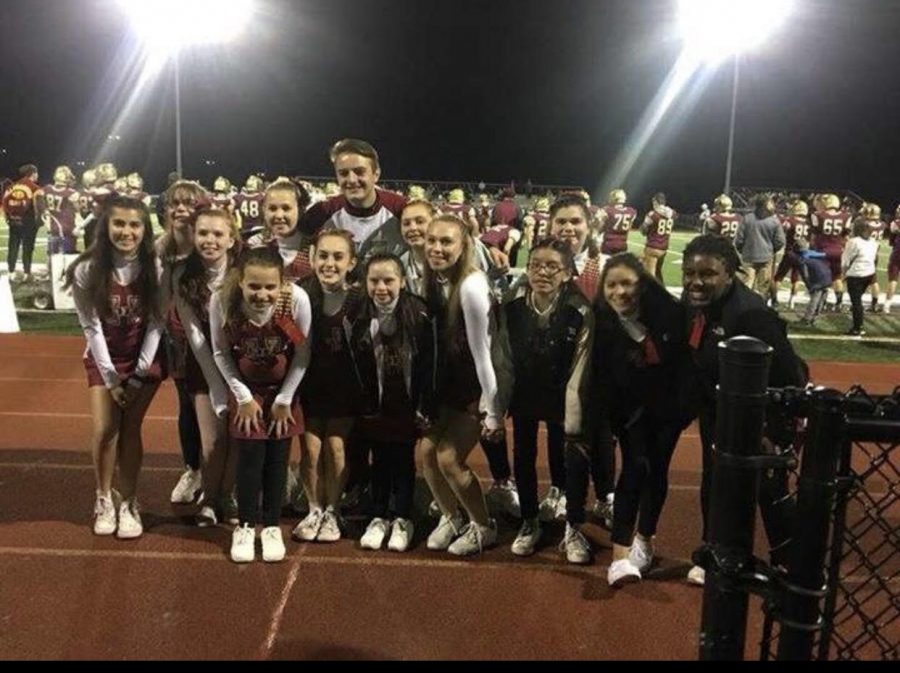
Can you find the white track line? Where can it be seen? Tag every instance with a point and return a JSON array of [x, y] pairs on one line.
[[45, 414], [278, 614]]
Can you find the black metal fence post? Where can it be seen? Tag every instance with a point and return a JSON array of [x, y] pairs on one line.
[[801, 619], [741, 406]]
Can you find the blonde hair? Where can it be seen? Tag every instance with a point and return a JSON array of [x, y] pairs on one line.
[[464, 267]]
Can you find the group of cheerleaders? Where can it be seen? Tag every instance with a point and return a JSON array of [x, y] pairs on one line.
[[374, 356]]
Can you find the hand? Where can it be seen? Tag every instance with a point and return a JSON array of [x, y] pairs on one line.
[[500, 259], [119, 395], [132, 390], [423, 423], [282, 419], [249, 417], [497, 435]]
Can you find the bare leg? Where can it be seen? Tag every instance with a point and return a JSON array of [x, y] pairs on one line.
[[214, 443], [105, 436], [131, 447], [311, 467], [460, 437], [440, 489], [335, 459]]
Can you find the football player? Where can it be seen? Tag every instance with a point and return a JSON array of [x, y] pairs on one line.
[[248, 205], [830, 227], [657, 227], [58, 208], [615, 221]]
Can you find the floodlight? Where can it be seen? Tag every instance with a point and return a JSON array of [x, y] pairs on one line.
[[713, 30]]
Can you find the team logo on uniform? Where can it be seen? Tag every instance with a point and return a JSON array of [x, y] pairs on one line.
[[260, 348], [127, 312]]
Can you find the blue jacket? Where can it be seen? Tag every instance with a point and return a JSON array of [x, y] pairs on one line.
[[815, 271]]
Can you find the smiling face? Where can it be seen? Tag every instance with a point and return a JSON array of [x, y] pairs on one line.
[[180, 209], [705, 279], [621, 289], [570, 224], [281, 212], [384, 281], [443, 245], [126, 230], [414, 224], [356, 176], [546, 271], [260, 286], [333, 261], [213, 237]]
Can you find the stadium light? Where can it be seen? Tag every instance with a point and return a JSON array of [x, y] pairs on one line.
[[714, 30], [167, 26]]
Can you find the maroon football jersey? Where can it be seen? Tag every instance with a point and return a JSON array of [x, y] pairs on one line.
[[58, 205], [461, 210], [496, 236], [878, 230], [659, 230], [619, 221], [893, 235], [222, 202], [795, 226], [250, 206], [830, 228], [541, 225], [724, 224]]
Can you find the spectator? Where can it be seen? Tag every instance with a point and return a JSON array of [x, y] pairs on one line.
[[18, 207], [816, 274], [759, 237], [858, 266]]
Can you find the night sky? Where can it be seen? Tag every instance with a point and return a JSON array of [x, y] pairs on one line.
[[491, 90]]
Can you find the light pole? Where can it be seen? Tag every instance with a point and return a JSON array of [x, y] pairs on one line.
[[167, 27], [714, 30]]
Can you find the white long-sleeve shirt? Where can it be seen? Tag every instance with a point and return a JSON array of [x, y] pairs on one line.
[[859, 257], [475, 301], [302, 312], [125, 271], [201, 348]]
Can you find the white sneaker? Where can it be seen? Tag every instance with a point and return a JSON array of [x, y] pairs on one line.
[[504, 497], [308, 528], [696, 576], [641, 554], [401, 534], [243, 544], [375, 533], [550, 504], [130, 525], [603, 510], [887, 307], [561, 507], [104, 515], [622, 572], [474, 539], [529, 534], [272, 544], [206, 517], [330, 530], [447, 530], [188, 488], [575, 546]]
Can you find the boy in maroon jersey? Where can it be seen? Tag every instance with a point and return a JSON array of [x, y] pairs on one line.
[[58, 208], [723, 221], [615, 222], [830, 227], [796, 226], [893, 234], [249, 205], [657, 227]]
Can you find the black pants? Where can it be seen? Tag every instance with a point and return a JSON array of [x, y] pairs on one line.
[[775, 507], [498, 459], [596, 459], [525, 449], [261, 465], [23, 235], [188, 426], [647, 447], [856, 287], [393, 473]]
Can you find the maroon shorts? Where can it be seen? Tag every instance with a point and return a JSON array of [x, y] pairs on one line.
[[614, 247], [265, 399], [894, 266], [788, 263], [155, 374]]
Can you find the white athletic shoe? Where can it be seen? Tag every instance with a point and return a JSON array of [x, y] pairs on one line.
[[308, 528], [188, 488], [528, 537], [474, 539], [330, 530], [375, 533], [603, 510], [401, 534], [447, 530], [547, 511], [575, 546], [641, 554], [104, 515], [272, 544], [622, 572], [243, 544], [696, 576], [206, 517], [503, 496], [130, 526]]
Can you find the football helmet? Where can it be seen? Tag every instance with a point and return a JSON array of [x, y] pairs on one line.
[[89, 178], [332, 189], [723, 203], [254, 184], [831, 202], [416, 193], [120, 186], [456, 196], [107, 174], [871, 211], [617, 197], [135, 182], [799, 209], [542, 205], [63, 175], [222, 185]]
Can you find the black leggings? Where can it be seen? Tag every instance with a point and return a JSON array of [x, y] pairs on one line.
[[261, 464], [498, 459], [393, 473], [647, 448], [188, 427], [857, 287], [525, 460], [23, 235], [595, 460]]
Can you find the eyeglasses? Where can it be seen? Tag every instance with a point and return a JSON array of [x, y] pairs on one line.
[[551, 268]]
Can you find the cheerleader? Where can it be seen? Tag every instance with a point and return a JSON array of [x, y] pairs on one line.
[[259, 326], [116, 290], [459, 299], [330, 391], [282, 206], [216, 239]]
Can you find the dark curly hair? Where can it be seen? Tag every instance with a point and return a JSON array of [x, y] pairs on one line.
[[715, 246]]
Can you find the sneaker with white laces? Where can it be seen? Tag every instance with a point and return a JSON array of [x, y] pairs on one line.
[[575, 546], [447, 530], [375, 533], [330, 530], [503, 496], [641, 554], [474, 539], [206, 517], [401, 534], [188, 488], [529, 534], [243, 544], [550, 504], [104, 515], [130, 526], [308, 528], [229, 508], [696, 576], [622, 572], [561, 507], [272, 544], [434, 510], [603, 510]]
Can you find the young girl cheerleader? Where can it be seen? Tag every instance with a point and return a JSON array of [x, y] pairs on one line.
[[259, 326], [216, 244], [550, 326], [283, 204], [330, 391], [116, 290], [459, 300], [392, 345]]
